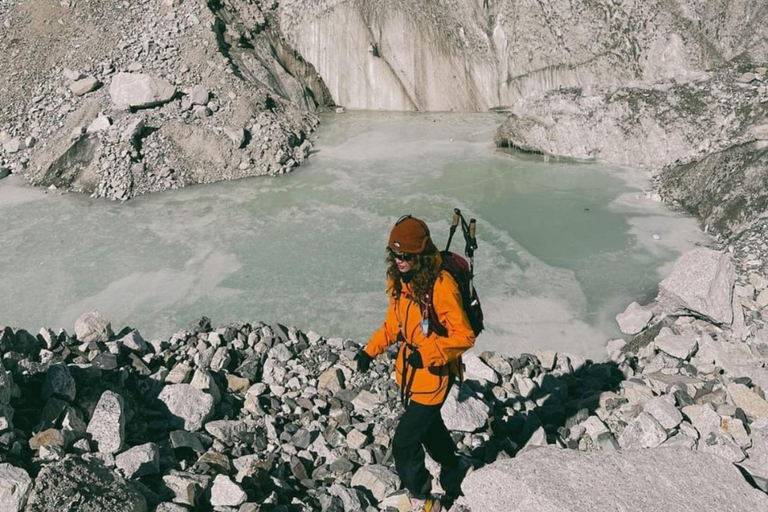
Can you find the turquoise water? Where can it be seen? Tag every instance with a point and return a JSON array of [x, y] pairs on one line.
[[563, 246]]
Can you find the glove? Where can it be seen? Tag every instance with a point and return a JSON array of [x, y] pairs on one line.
[[363, 361], [415, 359]]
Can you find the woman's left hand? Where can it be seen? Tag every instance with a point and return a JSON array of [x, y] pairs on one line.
[[415, 359]]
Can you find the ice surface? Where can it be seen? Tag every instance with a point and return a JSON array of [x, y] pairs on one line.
[[563, 247]]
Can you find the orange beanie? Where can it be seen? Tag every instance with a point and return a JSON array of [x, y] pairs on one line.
[[411, 235]]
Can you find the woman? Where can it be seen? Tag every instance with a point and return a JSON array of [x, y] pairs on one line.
[[427, 364]]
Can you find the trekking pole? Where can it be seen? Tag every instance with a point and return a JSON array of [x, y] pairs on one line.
[[471, 246], [454, 223], [472, 232]]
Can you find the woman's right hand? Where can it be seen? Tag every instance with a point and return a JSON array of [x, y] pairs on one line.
[[363, 361]]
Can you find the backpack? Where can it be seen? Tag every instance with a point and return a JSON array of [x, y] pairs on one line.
[[463, 272]]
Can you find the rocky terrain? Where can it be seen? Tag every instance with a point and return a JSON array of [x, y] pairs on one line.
[[251, 416], [116, 99]]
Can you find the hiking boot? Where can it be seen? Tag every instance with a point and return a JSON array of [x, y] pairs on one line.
[[451, 478], [430, 504]]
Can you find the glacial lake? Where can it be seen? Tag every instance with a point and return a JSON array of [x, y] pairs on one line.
[[563, 247]]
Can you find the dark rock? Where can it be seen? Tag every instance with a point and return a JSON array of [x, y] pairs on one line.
[[85, 486]]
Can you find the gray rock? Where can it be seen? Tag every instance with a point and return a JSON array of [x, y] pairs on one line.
[[138, 90], [365, 401], [356, 439], [547, 357], [476, 369], [701, 283], [12, 146], [100, 124], [85, 486], [463, 410], [188, 407], [204, 381], [680, 346], [524, 385], [594, 427], [722, 445], [133, 130], [15, 484], [757, 463], [664, 411], [50, 341], [637, 480], [199, 95], [5, 386], [184, 439], [71, 74], [352, 500], [93, 327], [633, 319], [704, 418], [331, 381], [170, 507], [752, 404], [179, 374], [107, 425], [84, 86], [643, 432], [281, 352], [186, 488], [59, 383], [236, 135], [379, 480], [226, 493], [139, 461], [134, 341], [227, 431]]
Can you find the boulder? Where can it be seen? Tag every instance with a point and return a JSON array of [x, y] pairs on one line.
[[14, 487], [84, 86], [226, 493], [137, 90], [700, 284], [186, 488], [379, 480], [664, 411], [134, 341], [681, 346], [331, 381], [188, 407], [199, 95], [85, 486], [554, 480], [757, 463], [59, 383], [6, 386], [750, 402], [107, 425], [476, 369], [633, 319], [93, 327], [643, 432], [139, 461], [100, 124], [463, 410]]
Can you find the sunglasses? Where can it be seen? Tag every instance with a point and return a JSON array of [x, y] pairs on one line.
[[402, 256]]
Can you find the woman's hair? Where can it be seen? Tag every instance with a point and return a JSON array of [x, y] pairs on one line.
[[425, 269]]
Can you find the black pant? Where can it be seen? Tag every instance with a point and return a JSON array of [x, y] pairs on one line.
[[421, 425]]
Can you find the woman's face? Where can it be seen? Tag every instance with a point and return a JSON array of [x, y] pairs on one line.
[[403, 261]]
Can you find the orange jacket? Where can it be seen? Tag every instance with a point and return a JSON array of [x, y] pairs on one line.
[[440, 354]]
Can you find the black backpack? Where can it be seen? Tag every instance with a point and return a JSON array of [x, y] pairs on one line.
[[463, 272]]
